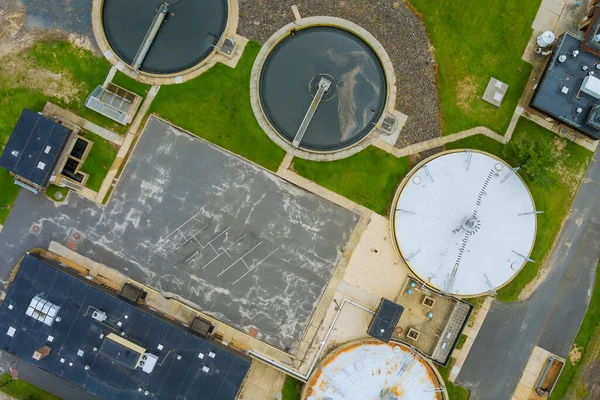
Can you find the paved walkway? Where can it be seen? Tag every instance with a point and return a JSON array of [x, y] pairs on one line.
[[53, 109], [111, 179]]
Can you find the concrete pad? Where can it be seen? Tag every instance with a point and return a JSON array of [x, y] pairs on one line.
[[545, 20], [374, 265], [522, 392], [556, 6], [528, 379]]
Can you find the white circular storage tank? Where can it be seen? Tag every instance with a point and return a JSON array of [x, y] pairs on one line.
[[370, 369], [464, 222]]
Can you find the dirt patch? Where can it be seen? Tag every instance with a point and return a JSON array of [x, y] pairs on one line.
[[16, 37], [466, 92], [17, 72], [575, 354]]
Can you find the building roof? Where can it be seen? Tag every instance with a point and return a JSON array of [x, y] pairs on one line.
[[385, 320], [464, 222], [559, 93], [96, 339], [34, 147]]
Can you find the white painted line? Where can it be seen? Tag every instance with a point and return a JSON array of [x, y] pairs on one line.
[[256, 266], [248, 252]]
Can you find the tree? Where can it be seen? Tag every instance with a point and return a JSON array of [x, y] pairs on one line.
[[537, 158]]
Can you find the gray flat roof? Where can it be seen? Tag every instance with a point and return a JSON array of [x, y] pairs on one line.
[[548, 97], [34, 147], [82, 354], [199, 223]]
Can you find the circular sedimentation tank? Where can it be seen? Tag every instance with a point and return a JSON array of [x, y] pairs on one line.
[[292, 66], [186, 37], [464, 222], [370, 369]]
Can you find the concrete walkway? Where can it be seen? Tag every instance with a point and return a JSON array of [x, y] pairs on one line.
[[53, 109], [111, 180], [438, 142]]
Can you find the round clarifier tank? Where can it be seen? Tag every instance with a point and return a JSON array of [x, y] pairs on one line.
[[289, 82], [370, 369], [186, 37], [464, 222]]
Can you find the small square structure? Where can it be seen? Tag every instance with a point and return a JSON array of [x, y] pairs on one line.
[[114, 102], [385, 320], [495, 91]]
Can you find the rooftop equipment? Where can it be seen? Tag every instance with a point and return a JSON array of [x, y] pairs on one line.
[[591, 86]]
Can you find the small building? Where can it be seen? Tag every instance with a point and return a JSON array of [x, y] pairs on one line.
[[85, 334], [114, 102], [569, 89], [34, 150], [42, 150]]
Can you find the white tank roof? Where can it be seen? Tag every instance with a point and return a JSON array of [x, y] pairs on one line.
[[371, 369], [545, 39], [464, 222]]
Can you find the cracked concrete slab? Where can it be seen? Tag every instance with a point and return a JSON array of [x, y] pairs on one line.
[[197, 222]]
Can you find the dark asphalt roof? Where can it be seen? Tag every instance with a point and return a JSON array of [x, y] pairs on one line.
[[34, 147], [205, 370], [549, 98], [385, 320]]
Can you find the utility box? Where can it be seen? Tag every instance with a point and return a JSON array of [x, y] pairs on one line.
[[591, 86]]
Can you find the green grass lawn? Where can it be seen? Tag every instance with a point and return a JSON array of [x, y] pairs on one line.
[[53, 192], [455, 392], [476, 40], [368, 178], [99, 160], [216, 107], [21, 390], [570, 378], [554, 200], [461, 342], [80, 66], [131, 84], [292, 389]]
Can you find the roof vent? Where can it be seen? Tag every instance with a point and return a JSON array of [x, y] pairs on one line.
[[41, 165], [562, 58], [14, 153], [99, 316], [575, 53], [148, 362]]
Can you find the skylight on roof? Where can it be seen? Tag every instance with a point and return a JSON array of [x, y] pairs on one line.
[[42, 310]]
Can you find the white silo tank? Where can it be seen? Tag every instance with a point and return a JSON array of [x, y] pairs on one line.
[[545, 39]]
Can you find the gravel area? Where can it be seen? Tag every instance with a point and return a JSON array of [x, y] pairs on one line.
[[23, 22], [399, 30]]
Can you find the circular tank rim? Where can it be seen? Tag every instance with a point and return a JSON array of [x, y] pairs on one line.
[[367, 129], [339, 349], [196, 62], [280, 35], [162, 79], [401, 186]]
